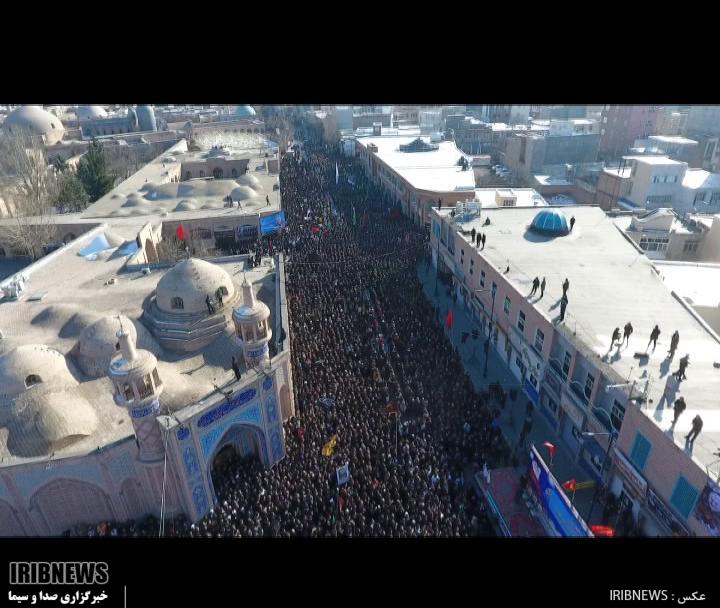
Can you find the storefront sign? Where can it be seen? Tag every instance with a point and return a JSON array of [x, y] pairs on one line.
[[564, 518], [707, 509], [665, 515], [630, 474]]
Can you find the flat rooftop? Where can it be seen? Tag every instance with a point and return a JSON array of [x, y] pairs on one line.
[[150, 194], [698, 284], [673, 139], [436, 170], [525, 197], [656, 160], [74, 295], [699, 178], [611, 283]]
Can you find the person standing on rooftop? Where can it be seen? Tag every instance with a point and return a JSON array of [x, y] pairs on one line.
[[654, 335], [627, 332], [565, 286]]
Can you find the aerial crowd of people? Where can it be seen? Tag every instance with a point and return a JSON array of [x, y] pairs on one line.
[[377, 385]]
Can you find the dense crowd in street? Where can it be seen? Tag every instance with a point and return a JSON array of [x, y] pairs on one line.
[[372, 369]]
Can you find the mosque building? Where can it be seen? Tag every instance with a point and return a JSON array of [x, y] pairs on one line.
[[124, 411]]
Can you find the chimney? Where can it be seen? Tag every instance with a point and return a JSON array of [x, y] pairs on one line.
[[377, 128]]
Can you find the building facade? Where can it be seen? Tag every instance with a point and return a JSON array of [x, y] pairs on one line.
[[621, 125]]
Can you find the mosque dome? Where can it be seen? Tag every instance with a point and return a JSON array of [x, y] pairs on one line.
[[57, 418], [146, 118], [31, 365], [132, 118], [245, 111], [90, 112], [184, 288], [36, 121], [551, 222], [98, 344]]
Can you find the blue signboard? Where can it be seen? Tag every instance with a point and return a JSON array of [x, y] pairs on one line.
[[272, 223], [562, 515]]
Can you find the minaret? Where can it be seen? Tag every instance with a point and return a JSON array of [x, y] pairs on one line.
[[138, 388], [252, 328]]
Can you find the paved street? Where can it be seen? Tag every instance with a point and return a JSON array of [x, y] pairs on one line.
[[512, 418]]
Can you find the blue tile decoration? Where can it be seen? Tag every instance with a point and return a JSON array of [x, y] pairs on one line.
[[122, 467], [271, 409], [277, 447], [267, 384], [183, 433], [151, 409], [256, 353], [191, 463], [225, 408], [200, 499], [251, 415]]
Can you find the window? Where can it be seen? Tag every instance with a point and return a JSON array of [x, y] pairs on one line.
[[521, 321], [145, 387], [654, 243], [128, 392], [690, 247], [674, 179], [684, 497], [156, 377], [699, 197], [32, 380], [533, 380], [521, 366], [482, 278], [589, 383], [234, 173], [539, 340], [566, 365], [202, 173], [506, 306], [494, 288], [640, 451], [617, 414], [177, 303], [656, 179], [715, 197]]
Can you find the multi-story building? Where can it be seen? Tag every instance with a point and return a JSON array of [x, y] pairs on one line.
[[703, 120], [641, 182], [671, 122], [621, 125], [571, 142], [610, 410], [417, 172]]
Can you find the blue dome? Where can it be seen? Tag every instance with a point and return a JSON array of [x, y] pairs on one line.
[[245, 112], [551, 221]]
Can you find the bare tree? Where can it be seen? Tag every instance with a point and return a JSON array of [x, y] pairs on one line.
[[23, 159]]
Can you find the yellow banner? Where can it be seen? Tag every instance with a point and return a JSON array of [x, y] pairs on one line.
[[329, 447], [584, 485]]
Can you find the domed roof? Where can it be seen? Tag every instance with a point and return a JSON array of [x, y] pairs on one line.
[[90, 112], [32, 364], [245, 112], [551, 221], [60, 418], [98, 344], [192, 281], [251, 181], [36, 121], [252, 309]]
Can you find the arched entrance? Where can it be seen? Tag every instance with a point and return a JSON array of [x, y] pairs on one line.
[[239, 447], [63, 503], [217, 173], [9, 523]]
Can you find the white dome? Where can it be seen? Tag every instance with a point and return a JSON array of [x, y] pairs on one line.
[[59, 418], [98, 344], [192, 281], [35, 121], [31, 365], [90, 112]]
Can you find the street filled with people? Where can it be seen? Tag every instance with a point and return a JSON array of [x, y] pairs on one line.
[[378, 386]]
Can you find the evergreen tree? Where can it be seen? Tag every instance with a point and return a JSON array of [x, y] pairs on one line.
[[94, 172], [60, 164], [70, 193]]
